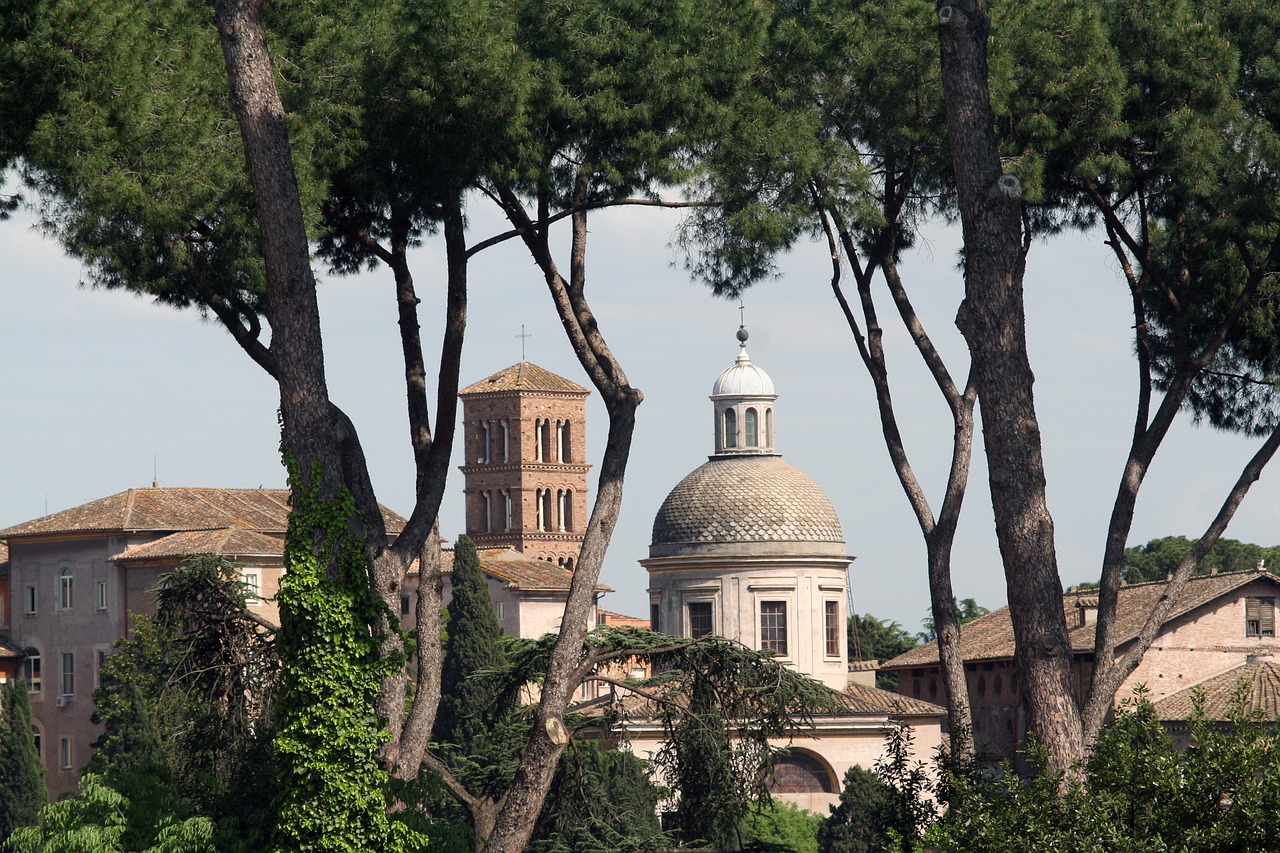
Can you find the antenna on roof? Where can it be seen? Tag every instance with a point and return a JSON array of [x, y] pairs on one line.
[[852, 613], [155, 476], [522, 336]]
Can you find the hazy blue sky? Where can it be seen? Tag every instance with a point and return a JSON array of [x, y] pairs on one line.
[[98, 387]]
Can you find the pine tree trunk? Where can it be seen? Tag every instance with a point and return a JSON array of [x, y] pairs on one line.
[[992, 320], [307, 431]]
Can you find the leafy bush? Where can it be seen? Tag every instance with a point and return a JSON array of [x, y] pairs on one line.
[[781, 826], [1136, 794]]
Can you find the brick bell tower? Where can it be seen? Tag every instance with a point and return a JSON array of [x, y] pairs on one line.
[[524, 434]]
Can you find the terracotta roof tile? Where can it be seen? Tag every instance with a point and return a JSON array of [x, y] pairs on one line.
[[525, 376], [230, 542], [512, 567], [175, 509], [990, 637], [859, 700], [621, 620], [1261, 681], [863, 699]]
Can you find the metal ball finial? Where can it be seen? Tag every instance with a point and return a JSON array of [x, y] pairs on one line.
[[742, 336]]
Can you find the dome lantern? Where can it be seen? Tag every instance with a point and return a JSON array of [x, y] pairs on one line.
[[743, 398]]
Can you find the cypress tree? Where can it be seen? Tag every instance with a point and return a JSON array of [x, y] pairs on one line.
[[22, 790], [479, 730], [134, 763], [467, 704], [712, 803]]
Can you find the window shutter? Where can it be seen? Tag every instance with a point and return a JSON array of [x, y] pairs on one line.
[[1260, 617]]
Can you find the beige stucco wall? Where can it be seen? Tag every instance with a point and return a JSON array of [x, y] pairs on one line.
[[524, 613], [736, 586], [837, 744]]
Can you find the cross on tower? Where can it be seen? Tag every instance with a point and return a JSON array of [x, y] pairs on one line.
[[522, 336]]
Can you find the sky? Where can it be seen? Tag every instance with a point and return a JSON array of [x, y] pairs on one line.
[[103, 391]]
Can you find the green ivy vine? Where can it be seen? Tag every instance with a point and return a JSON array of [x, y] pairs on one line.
[[332, 793]]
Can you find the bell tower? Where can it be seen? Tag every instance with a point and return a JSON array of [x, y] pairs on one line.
[[524, 436]]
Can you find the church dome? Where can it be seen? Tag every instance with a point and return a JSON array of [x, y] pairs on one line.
[[743, 379], [747, 505]]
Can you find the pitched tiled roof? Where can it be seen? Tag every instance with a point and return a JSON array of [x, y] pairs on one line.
[[863, 699], [515, 570], [990, 637], [175, 509], [858, 699], [620, 620], [525, 376], [230, 542], [1261, 680]]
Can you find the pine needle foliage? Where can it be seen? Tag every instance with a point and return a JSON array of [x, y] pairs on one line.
[[602, 800], [719, 702], [202, 675], [138, 768], [479, 726]]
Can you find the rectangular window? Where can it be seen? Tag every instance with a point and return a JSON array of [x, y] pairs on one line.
[[31, 672], [64, 753], [102, 595], [773, 626], [500, 610], [831, 627], [68, 673], [654, 610], [99, 663], [701, 622], [404, 605], [1260, 617], [252, 587], [4, 609], [29, 600], [66, 583]]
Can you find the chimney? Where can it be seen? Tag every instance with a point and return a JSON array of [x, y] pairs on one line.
[[863, 672], [1087, 610]]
